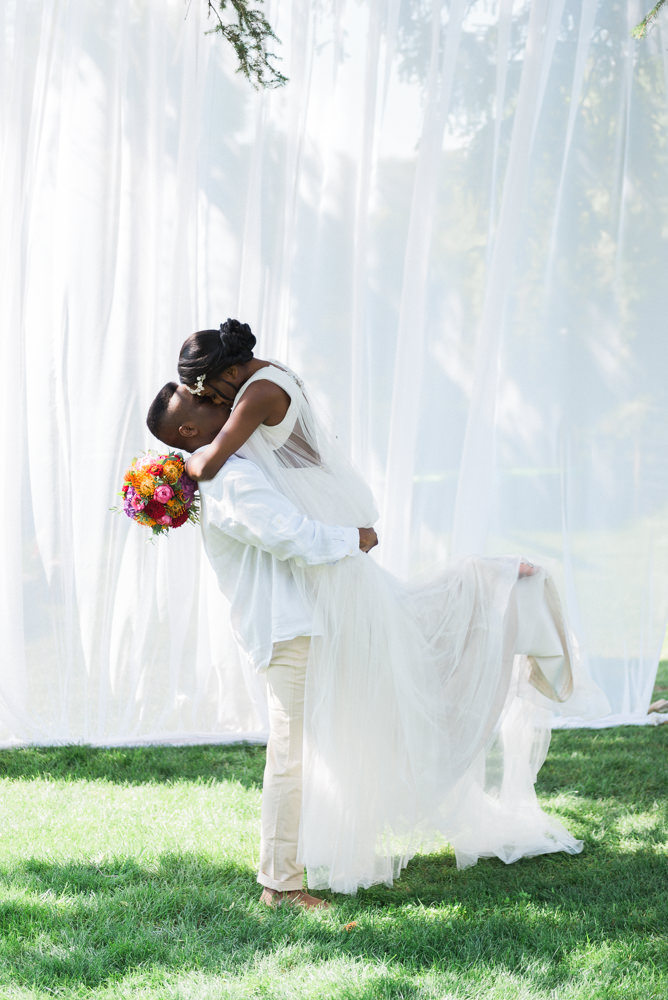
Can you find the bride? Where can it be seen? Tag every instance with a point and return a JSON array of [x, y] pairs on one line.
[[423, 725]]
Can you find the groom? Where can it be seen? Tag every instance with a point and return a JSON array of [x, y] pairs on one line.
[[253, 537]]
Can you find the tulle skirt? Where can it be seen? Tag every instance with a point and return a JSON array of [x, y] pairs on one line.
[[427, 712], [423, 723]]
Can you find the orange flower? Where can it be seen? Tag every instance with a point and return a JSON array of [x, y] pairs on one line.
[[142, 518], [144, 484], [175, 507], [172, 470]]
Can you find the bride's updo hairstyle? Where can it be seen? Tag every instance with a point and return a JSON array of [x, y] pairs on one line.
[[209, 352]]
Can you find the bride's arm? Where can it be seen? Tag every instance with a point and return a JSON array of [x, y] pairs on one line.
[[263, 402]]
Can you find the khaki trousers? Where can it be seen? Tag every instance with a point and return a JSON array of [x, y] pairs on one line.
[[282, 785]]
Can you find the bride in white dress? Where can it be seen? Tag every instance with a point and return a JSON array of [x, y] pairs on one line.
[[423, 725]]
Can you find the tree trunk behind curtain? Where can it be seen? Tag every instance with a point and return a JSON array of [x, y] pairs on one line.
[[453, 222]]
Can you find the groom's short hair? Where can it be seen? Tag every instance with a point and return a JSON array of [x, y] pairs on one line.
[[157, 416]]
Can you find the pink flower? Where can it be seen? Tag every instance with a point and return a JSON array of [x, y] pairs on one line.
[[165, 519], [163, 493], [138, 502]]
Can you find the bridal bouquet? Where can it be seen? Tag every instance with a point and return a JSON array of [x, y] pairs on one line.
[[158, 493]]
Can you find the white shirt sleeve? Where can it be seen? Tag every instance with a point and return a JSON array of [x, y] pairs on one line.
[[242, 503]]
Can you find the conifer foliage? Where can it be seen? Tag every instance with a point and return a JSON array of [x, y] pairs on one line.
[[643, 27], [243, 24]]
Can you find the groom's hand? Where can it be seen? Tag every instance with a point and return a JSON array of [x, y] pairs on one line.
[[368, 538]]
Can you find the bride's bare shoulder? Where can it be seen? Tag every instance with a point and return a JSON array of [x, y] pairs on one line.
[[268, 397]]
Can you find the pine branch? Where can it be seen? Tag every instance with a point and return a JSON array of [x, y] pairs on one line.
[[248, 31], [641, 29]]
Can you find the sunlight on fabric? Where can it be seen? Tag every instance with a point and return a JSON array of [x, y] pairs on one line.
[[452, 222]]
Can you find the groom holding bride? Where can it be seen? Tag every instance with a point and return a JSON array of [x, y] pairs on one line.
[[401, 716], [253, 537]]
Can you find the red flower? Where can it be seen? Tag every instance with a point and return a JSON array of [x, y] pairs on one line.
[[181, 519], [156, 469], [155, 509]]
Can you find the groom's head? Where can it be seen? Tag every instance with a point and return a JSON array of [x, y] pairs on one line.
[[181, 420]]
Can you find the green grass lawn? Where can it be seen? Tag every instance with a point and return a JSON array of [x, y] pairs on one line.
[[131, 874]]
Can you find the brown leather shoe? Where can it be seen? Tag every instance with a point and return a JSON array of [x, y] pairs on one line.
[[292, 897]]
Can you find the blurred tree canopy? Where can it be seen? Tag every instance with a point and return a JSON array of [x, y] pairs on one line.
[[244, 26]]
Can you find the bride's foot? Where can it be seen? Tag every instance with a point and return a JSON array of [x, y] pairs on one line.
[[293, 897], [526, 569]]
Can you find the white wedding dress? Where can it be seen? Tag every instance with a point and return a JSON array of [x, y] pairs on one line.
[[422, 725]]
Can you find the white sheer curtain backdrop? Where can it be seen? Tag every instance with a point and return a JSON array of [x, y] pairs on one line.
[[453, 222]]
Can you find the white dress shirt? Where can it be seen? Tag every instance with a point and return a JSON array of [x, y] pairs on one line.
[[254, 537]]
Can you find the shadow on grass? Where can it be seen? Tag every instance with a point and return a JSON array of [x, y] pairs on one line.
[[67, 926], [242, 762], [83, 924], [627, 763]]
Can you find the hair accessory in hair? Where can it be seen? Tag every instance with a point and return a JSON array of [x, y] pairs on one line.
[[158, 493], [199, 382]]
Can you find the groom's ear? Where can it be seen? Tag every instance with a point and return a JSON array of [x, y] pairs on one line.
[[188, 430]]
